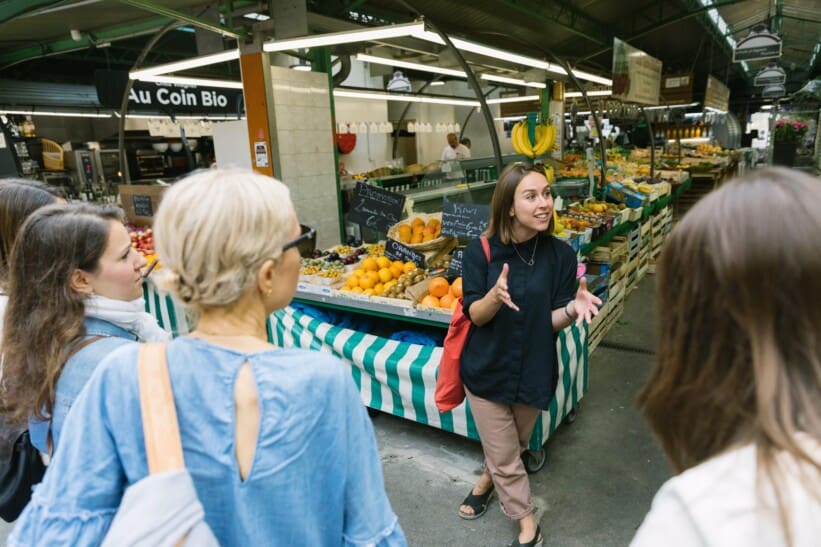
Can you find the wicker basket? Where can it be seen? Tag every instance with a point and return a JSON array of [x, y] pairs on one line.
[[432, 245], [52, 155]]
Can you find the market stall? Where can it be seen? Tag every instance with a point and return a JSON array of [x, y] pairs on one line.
[[396, 377]]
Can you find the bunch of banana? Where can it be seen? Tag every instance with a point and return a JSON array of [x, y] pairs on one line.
[[545, 139], [548, 174]]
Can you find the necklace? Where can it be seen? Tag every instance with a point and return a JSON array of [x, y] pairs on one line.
[[532, 255]]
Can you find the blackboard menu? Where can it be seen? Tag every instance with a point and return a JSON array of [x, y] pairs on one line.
[[455, 268], [396, 251], [375, 208], [142, 206], [464, 219]]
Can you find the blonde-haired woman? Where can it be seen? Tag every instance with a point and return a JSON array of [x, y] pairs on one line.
[[277, 441], [735, 396]]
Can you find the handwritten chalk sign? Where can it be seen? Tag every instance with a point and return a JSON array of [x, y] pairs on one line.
[[396, 251], [142, 206], [455, 268], [465, 220], [375, 208]]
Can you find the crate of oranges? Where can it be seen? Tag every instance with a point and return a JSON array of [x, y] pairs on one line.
[[379, 276], [440, 294], [421, 232]]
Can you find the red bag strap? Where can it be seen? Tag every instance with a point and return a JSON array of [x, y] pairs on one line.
[[486, 247]]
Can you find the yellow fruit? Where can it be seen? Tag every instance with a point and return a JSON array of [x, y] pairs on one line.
[[397, 263], [409, 266], [416, 237], [359, 272], [378, 288], [417, 221], [385, 274], [357, 289], [446, 301], [370, 264], [438, 287], [430, 301], [366, 283], [369, 292], [396, 270], [428, 237], [353, 281], [383, 262]]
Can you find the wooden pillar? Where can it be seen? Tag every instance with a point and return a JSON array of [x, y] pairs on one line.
[[258, 94]]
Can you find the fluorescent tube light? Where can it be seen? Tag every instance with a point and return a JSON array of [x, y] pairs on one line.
[[187, 117], [717, 110], [598, 93], [670, 106], [182, 80], [522, 99], [411, 66], [437, 83], [205, 60], [512, 81], [767, 107], [351, 94], [254, 16], [59, 114], [347, 37], [488, 51]]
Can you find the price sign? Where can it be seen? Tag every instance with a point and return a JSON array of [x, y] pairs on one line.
[[142, 206], [375, 208], [396, 251], [455, 268], [464, 219]]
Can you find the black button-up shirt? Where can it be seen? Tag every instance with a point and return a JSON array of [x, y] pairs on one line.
[[512, 358]]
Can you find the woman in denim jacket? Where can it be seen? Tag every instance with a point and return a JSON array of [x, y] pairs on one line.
[[75, 290], [277, 441]]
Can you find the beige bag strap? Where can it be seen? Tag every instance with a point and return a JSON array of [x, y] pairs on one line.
[[163, 448]]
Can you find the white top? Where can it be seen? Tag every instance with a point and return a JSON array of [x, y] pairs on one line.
[[716, 504], [461, 152]]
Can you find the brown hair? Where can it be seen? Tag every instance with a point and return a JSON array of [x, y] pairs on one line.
[[739, 351], [18, 199], [501, 223], [44, 314]]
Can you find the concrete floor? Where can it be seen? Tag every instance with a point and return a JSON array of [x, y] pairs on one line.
[[601, 472], [599, 479]]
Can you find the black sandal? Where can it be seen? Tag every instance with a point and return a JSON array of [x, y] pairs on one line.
[[479, 503], [535, 542]]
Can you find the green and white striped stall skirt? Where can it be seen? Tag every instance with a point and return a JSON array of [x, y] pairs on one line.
[[397, 377]]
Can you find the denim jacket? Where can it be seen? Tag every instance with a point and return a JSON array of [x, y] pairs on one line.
[[315, 479], [74, 376]]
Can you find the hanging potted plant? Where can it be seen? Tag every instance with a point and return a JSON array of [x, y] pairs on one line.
[[786, 138]]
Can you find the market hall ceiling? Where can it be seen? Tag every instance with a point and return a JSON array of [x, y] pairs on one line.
[[37, 44]]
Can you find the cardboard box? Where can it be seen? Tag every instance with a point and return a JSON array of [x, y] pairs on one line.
[[140, 202]]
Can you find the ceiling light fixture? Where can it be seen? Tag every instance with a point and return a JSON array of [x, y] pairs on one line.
[[437, 83], [411, 66], [348, 37], [254, 16], [195, 62], [520, 99], [352, 94], [602, 93], [182, 80], [512, 81], [488, 51], [34, 112]]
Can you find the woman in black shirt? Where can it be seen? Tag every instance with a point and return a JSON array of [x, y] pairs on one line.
[[517, 301]]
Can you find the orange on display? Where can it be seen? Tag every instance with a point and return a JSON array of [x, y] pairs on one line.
[[438, 287]]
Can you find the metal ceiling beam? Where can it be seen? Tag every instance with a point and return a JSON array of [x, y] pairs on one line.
[[180, 16], [568, 17], [14, 8], [667, 22], [64, 46]]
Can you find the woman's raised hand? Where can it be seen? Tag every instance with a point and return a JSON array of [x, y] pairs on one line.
[[499, 290], [585, 304]]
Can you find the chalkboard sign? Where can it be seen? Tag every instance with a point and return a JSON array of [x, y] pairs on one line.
[[375, 208], [455, 268], [464, 220], [142, 206], [396, 251]]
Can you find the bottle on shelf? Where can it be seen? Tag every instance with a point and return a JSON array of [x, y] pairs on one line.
[[27, 127]]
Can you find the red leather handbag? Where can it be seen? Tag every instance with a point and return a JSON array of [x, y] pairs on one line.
[[449, 389]]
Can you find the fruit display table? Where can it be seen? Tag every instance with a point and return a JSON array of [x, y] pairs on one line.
[[399, 378]]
